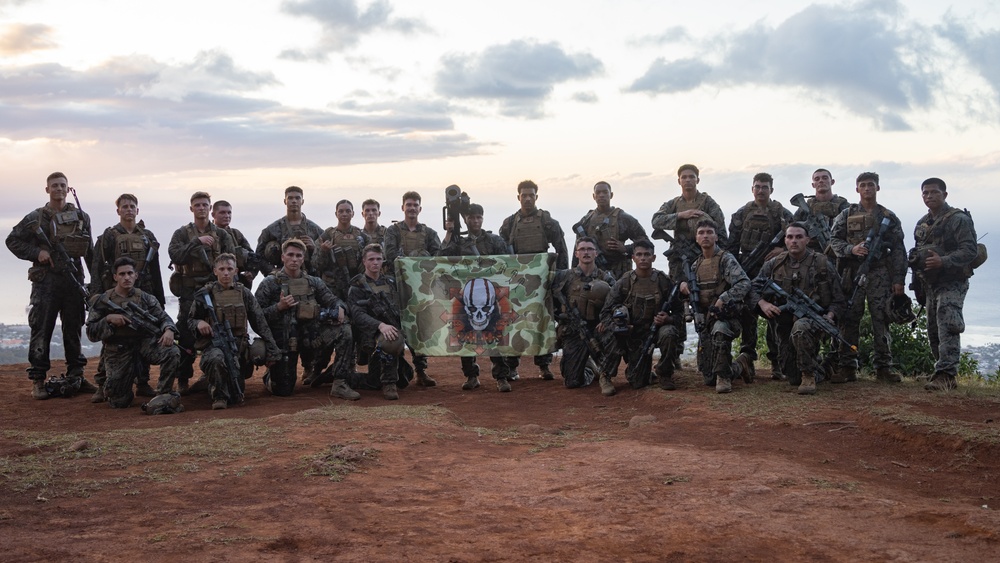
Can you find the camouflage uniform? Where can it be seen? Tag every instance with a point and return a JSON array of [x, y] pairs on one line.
[[952, 235], [274, 235], [338, 266], [312, 339], [243, 249], [128, 352], [684, 231], [372, 303], [720, 277], [54, 291], [616, 225], [825, 211], [532, 234], [571, 289], [643, 297], [193, 269], [377, 236], [401, 241], [799, 339], [850, 228], [748, 227], [238, 306]]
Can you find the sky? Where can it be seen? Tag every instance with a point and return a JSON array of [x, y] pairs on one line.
[[356, 99]]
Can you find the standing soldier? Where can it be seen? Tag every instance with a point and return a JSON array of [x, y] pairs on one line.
[[54, 238], [942, 262], [339, 257], [824, 205], [309, 323], [131, 239], [193, 250], [530, 231], [799, 268], [234, 305], [371, 211], [578, 296], [410, 237], [639, 303], [722, 290], [610, 227], [247, 261], [751, 230], [863, 229], [293, 225], [123, 319]]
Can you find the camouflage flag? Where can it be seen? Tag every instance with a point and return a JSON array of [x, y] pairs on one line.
[[477, 305]]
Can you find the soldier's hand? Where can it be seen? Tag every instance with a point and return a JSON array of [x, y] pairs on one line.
[[341, 315], [770, 311], [690, 213], [309, 242], [167, 338], [388, 331], [661, 318], [614, 244], [829, 316], [859, 250], [897, 289], [932, 262], [326, 245], [684, 289], [204, 328], [44, 257], [287, 302], [719, 304], [114, 319], [206, 240]]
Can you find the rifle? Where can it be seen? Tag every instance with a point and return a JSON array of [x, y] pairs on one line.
[[873, 242], [694, 294], [580, 326], [755, 259], [150, 256], [289, 333], [254, 262], [140, 323], [818, 229], [223, 339], [69, 266], [801, 305], [645, 363]]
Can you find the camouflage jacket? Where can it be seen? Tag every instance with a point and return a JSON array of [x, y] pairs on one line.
[[255, 317], [105, 254], [323, 263], [24, 243], [621, 294], [627, 227], [98, 330], [553, 235], [561, 287], [893, 258], [269, 293], [666, 219], [185, 250], [376, 237], [743, 238], [810, 280], [731, 276], [485, 244], [278, 232], [369, 308], [393, 244], [952, 235]]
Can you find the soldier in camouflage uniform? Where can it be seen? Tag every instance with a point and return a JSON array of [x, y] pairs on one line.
[[410, 237], [530, 231], [134, 240], [193, 250], [610, 227], [56, 284], [799, 338], [339, 257], [309, 321], [723, 288], [942, 264], [222, 217], [371, 211], [128, 351], [374, 307], [756, 222], [578, 296], [824, 205], [477, 242], [645, 293], [885, 278], [233, 303], [293, 225]]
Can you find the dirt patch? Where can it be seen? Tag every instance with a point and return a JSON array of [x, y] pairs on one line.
[[861, 471]]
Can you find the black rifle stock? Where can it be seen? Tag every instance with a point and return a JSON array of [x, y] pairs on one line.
[[818, 229], [223, 339], [694, 294], [755, 259]]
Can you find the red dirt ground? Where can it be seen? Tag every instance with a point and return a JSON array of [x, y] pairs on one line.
[[861, 471]]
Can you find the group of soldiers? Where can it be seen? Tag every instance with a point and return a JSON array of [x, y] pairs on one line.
[[328, 300]]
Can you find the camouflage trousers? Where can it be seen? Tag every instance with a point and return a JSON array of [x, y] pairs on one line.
[[573, 365], [102, 371], [329, 341], [715, 349], [798, 347], [876, 294], [124, 362], [213, 365], [630, 347], [55, 296], [945, 324], [748, 336]]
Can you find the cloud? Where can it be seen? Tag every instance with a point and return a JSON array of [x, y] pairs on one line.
[[585, 97], [981, 49], [519, 75], [24, 38], [344, 23], [864, 57], [675, 34], [202, 115]]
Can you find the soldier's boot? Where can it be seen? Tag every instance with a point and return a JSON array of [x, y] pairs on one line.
[[99, 396], [219, 405], [941, 382], [723, 385], [389, 392], [667, 383], [471, 383], [514, 376], [343, 390], [503, 385], [142, 389], [607, 387], [86, 386], [38, 390], [677, 361], [183, 388], [747, 370], [808, 385], [887, 375], [424, 379], [199, 386], [777, 374], [545, 373]]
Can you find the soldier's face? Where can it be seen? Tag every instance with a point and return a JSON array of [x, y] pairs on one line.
[[345, 212], [527, 198], [867, 189], [688, 180], [225, 271], [933, 196], [796, 241], [125, 277], [292, 259], [294, 201], [411, 209], [602, 195], [586, 253], [706, 237], [373, 264], [222, 216], [57, 188], [474, 222], [128, 210], [643, 258], [822, 182], [201, 207], [371, 213], [761, 191]]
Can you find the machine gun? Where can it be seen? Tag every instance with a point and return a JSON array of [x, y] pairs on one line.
[[873, 242], [254, 262], [755, 259], [694, 294], [456, 204], [69, 267], [643, 367], [818, 229], [801, 305], [223, 339]]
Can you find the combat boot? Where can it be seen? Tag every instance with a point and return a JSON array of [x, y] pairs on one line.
[[545, 373], [389, 392], [86, 386], [199, 386], [503, 385], [887, 375], [99, 396], [424, 379], [514, 376], [142, 389], [343, 390], [219, 405], [667, 383], [941, 382], [747, 371], [844, 374], [723, 385], [607, 387], [38, 390], [776, 373], [184, 389], [808, 385], [471, 383]]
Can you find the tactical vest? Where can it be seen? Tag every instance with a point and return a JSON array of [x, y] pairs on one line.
[[759, 224], [711, 282], [689, 227], [229, 306], [377, 237], [125, 332], [814, 270], [859, 224], [68, 227], [134, 245], [413, 242], [196, 269], [307, 308], [829, 209], [528, 234], [932, 234], [601, 231], [579, 298], [241, 253], [350, 244], [643, 298]]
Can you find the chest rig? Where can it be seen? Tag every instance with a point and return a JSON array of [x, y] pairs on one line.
[[690, 226], [413, 242], [604, 227], [68, 227], [307, 308], [196, 267], [528, 235], [810, 275], [759, 224], [643, 298], [711, 282]]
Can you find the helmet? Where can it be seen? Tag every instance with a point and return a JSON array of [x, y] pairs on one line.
[[62, 386], [620, 320], [391, 347], [599, 290], [164, 403], [258, 351], [900, 309]]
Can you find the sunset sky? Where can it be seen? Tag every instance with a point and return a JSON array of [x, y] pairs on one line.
[[356, 99]]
